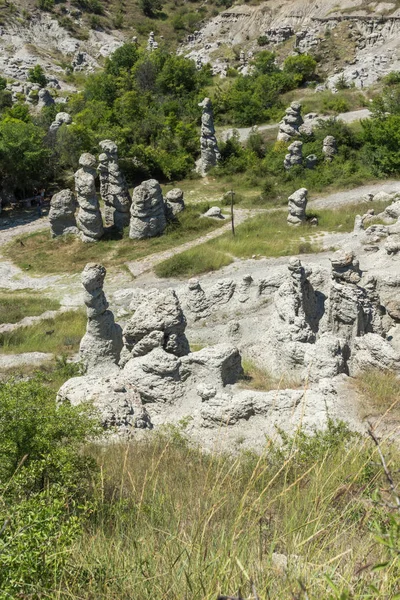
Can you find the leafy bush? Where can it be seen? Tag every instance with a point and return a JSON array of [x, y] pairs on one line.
[[46, 4], [150, 7], [36, 75], [262, 40], [45, 484], [302, 67]]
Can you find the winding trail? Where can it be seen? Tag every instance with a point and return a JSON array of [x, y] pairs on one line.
[[137, 267]]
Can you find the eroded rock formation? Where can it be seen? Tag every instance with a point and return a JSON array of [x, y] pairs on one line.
[[148, 218], [113, 187], [62, 214], [102, 342], [289, 126], [329, 148], [210, 154], [294, 155], [297, 207], [174, 203], [89, 218], [62, 118]]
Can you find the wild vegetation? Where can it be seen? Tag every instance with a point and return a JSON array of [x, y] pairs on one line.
[[59, 335], [40, 254], [162, 517], [14, 306], [266, 235]]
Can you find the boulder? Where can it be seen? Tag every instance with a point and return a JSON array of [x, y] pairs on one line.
[[174, 203], [62, 214], [297, 207], [147, 211]]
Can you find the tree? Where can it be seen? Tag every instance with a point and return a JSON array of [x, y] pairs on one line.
[[150, 7], [301, 66], [123, 58], [265, 62], [36, 75], [24, 159]]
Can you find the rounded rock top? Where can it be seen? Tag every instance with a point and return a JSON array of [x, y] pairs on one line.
[[93, 276], [108, 146], [87, 160]]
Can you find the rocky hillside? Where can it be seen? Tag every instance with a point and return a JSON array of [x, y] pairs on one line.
[[354, 41]]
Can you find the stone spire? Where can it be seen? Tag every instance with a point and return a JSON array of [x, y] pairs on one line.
[[113, 187], [208, 142], [89, 218]]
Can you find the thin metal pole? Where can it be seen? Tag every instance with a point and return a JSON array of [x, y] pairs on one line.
[[232, 217]]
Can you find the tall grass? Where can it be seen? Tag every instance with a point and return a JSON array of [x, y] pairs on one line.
[[60, 335], [175, 523], [381, 390], [14, 306]]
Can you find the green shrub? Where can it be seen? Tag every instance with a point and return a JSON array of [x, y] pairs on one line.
[[301, 66], [45, 484], [46, 4], [36, 75], [262, 40]]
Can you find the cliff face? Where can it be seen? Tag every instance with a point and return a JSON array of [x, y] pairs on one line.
[[352, 39]]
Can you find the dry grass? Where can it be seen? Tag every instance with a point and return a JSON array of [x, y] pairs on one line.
[[267, 234], [381, 390], [16, 305], [175, 523], [60, 335], [256, 378], [39, 253]]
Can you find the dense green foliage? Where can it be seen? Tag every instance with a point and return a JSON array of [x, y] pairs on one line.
[[45, 483]]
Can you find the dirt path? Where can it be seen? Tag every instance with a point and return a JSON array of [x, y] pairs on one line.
[[137, 267], [244, 132]]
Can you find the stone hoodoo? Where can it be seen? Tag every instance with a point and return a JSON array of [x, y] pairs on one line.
[[174, 203], [89, 218], [62, 118], [353, 310], [148, 217], [329, 147], [44, 98], [62, 214], [289, 126], [102, 342], [113, 187], [294, 155], [208, 142], [151, 42], [157, 323], [297, 207]]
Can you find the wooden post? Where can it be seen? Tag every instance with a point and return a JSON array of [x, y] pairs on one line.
[[232, 217]]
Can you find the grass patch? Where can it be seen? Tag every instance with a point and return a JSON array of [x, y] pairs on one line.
[[256, 378], [381, 389], [60, 335], [266, 235], [175, 522], [41, 254], [14, 306]]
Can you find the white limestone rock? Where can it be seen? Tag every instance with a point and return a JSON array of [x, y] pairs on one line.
[[210, 154], [89, 218], [113, 187], [62, 214], [102, 343], [297, 207], [174, 203], [290, 124], [294, 155], [148, 217]]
